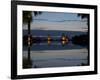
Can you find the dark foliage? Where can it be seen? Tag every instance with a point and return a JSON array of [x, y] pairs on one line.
[[82, 40], [27, 63], [27, 15], [83, 16]]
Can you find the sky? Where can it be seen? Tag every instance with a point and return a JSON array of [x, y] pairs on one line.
[[58, 21]]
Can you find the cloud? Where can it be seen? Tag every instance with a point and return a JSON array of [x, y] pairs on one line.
[[68, 25]]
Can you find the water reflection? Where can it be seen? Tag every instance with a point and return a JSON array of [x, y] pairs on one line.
[[63, 43], [27, 62], [49, 42], [54, 54]]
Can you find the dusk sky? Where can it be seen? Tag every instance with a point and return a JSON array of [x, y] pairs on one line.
[[58, 21]]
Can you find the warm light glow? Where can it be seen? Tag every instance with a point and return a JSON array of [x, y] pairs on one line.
[[63, 43], [49, 42], [64, 38], [29, 41], [49, 38]]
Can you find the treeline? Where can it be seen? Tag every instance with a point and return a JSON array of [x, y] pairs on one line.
[[37, 39], [82, 40]]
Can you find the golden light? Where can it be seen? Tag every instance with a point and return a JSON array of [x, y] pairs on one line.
[[63, 43], [63, 38], [29, 40], [49, 42]]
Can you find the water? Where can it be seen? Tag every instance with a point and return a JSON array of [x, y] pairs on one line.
[[55, 54], [54, 33]]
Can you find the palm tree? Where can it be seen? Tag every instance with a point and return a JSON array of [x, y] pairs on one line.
[[83, 16], [27, 18]]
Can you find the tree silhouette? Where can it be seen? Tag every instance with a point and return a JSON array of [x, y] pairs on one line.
[[27, 18], [85, 16]]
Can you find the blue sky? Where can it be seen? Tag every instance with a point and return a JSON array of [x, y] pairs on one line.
[[55, 16], [59, 21]]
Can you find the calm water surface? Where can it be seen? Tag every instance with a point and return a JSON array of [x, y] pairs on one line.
[[56, 54]]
